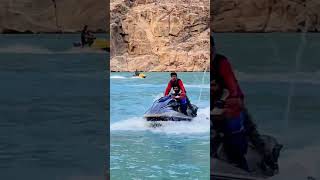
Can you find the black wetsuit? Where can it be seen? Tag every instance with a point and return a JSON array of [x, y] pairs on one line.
[[83, 37]]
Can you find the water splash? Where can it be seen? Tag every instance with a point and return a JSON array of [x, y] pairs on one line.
[[304, 164], [198, 125], [24, 48], [32, 49], [117, 77], [299, 77], [202, 83], [296, 71]]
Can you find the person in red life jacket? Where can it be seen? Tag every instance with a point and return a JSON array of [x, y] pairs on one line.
[[174, 81], [232, 128], [234, 107], [222, 71], [181, 97]]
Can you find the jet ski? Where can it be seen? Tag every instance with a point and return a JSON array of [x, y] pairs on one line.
[[167, 109], [221, 169], [101, 44], [141, 75]]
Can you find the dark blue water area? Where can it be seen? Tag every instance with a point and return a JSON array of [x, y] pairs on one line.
[[54, 111], [279, 74], [270, 52]]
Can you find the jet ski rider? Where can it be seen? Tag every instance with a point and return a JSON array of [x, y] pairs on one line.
[[136, 73], [87, 38], [181, 97], [232, 128], [234, 107], [174, 81]]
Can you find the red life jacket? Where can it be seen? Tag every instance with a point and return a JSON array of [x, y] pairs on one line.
[[176, 83], [222, 72]]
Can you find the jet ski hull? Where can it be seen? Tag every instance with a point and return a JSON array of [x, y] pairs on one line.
[[223, 170], [222, 176], [167, 109], [166, 118], [141, 75], [101, 44]]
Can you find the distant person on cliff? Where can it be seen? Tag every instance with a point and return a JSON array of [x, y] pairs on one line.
[[221, 71], [87, 38]]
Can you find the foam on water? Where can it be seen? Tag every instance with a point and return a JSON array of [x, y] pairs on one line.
[[300, 164], [135, 77], [202, 86], [198, 125], [32, 49], [300, 77], [24, 48], [117, 77], [77, 50]]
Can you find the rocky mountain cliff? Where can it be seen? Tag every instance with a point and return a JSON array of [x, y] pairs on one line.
[[40, 15], [160, 35], [265, 15], [227, 15]]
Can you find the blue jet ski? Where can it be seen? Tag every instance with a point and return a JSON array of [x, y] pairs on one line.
[[221, 169], [167, 109]]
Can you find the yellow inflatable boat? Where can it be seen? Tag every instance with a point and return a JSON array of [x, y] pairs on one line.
[[101, 44], [141, 75]]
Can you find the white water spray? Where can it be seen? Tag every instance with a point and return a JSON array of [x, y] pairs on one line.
[[296, 71], [202, 84]]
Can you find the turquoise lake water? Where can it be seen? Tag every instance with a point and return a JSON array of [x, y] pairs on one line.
[[177, 150], [280, 76]]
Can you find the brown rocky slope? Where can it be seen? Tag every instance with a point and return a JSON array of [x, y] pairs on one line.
[[265, 15], [39, 15], [166, 35]]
